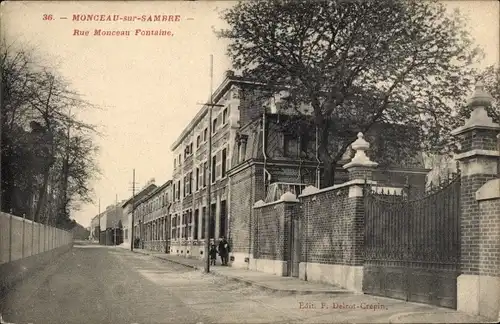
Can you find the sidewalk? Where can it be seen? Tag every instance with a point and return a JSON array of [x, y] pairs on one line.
[[262, 280], [404, 312]]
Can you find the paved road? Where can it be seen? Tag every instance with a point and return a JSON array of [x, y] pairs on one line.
[[94, 284]]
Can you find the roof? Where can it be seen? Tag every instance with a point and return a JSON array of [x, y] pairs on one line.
[[154, 192], [140, 194], [218, 93]]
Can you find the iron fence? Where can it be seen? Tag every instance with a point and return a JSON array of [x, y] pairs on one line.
[[21, 238]]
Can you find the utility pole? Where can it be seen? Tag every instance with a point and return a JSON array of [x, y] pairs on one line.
[[210, 106], [116, 218], [132, 238], [99, 218]]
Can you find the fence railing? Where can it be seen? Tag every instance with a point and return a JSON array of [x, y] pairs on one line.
[[21, 238]]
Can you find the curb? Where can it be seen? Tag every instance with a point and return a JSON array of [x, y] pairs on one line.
[[253, 283], [400, 318]]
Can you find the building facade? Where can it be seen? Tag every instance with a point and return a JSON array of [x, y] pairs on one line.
[[269, 159], [253, 158], [152, 212], [94, 228], [128, 210], [191, 175]]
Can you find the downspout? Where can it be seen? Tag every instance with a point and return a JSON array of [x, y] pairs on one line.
[[264, 151], [318, 173], [300, 160]]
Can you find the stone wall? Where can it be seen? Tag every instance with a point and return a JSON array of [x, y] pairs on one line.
[[333, 224], [272, 235]]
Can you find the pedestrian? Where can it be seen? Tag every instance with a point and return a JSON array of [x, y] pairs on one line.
[[213, 254], [224, 250]]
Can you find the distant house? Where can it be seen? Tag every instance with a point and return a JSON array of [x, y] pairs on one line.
[[128, 206]]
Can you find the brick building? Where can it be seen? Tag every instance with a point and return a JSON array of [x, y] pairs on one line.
[[269, 160], [127, 212], [440, 248], [190, 174], [152, 213], [253, 158]]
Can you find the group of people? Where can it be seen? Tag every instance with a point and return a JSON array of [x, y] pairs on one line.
[[223, 250]]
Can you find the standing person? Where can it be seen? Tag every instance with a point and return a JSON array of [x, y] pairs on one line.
[[213, 254], [224, 250]]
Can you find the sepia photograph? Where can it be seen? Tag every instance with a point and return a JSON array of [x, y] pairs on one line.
[[251, 161]]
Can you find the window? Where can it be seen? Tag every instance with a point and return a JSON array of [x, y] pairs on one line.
[[189, 223], [175, 163], [214, 168], [196, 224], [205, 134], [203, 220], [224, 158], [198, 141], [224, 116], [173, 188], [212, 221], [178, 194], [205, 167], [179, 160], [214, 125], [197, 180], [223, 219], [188, 150], [179, 226], [190, 183], [187, 184], [290, 144], [174, 227], [304, 144]]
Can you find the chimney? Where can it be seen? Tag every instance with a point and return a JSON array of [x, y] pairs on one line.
[[228, 73]]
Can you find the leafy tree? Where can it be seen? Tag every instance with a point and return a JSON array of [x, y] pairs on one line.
[[358, 64]]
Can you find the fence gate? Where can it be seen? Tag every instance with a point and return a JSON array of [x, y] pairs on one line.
[[413, 244]]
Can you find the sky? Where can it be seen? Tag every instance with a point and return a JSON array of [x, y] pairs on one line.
[[150, 87]]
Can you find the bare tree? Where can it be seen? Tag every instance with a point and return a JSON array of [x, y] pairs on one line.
[[47, 164]]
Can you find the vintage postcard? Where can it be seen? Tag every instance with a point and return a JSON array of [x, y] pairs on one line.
[[281, 161]]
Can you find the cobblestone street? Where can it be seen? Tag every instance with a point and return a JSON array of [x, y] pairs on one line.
[[94, 284]]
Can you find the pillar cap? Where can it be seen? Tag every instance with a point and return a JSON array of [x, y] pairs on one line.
[[480, 98], [289, 197], [309, 190], [360, 159], [479, 118], [259, 203]]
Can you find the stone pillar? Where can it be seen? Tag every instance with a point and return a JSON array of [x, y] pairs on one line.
[[478, 285], [360, 172]]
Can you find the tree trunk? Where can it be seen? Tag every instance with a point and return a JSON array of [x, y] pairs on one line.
[[63, 195], [42, 192], [329, 164]]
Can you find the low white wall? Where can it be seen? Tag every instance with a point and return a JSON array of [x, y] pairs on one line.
[[275, 267], [21, 238], [478, 295], [239, 260], [347, 277]]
